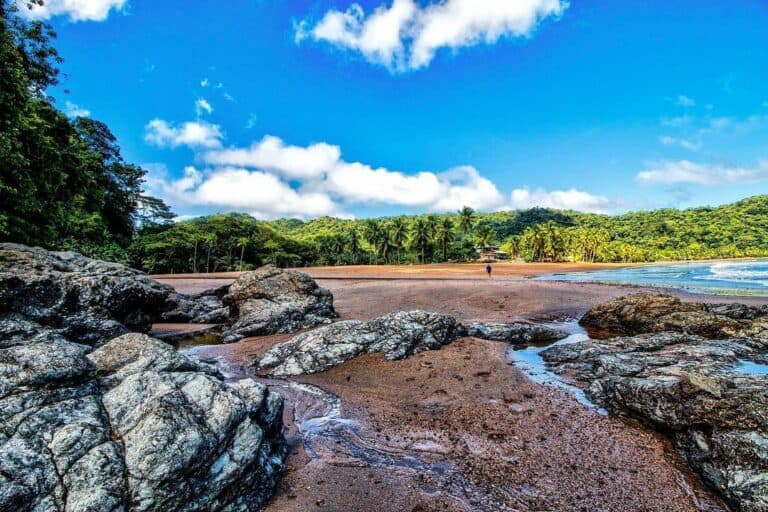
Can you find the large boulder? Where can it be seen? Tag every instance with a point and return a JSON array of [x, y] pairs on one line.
[[650, 312], [206, 307], [132, 425], [398, 335], [271, 300], [89, 301], [708, 391]]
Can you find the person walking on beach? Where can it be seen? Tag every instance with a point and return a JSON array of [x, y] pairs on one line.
[[489, 269]]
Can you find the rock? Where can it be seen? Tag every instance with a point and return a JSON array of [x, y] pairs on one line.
[[132, 425], [517, 333], [270, 300], [698, 388], [398, 335], [90, 301], [647, 312], [202, 308]]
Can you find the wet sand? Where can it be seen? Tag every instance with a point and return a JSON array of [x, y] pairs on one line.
[[530, 447]]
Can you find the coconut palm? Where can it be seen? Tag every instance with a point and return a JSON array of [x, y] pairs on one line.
[[242, 242], [485, 237], [420, 237], [398, 233], [444, 235], [466, 219]]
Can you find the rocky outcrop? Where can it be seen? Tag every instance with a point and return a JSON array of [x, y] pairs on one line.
[[516, 333], [271, 300], [398, 335], [709, 392], [132, 425], [91, 301], [648, 312], [206, 307]]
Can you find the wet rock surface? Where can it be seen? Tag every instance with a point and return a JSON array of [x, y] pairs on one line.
[[206, 307], [516, 333], [91, 301], [132, 425], [398, 335], [693, 373], [649, 312], [271, 300]]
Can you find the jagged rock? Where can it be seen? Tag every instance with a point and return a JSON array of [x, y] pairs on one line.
[[270, 300], [130, 426], [517, 333], [201, 308], [398, 335], [648, 312], [90, 301], [710, 394]]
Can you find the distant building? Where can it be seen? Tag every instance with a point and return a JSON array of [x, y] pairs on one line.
[[490, 254]]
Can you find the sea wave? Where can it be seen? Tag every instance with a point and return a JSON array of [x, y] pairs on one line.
[[737, 272]]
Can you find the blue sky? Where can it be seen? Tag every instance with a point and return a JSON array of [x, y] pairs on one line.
[[306, 108]]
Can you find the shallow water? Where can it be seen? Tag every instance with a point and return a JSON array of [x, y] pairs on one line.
[[752, 368], [743, 277], [528, 359]]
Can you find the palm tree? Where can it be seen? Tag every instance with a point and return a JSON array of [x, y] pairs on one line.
[[398, 232], [210, 241], [353, 244], [444, 235], [242, 243], [466, 219], [373, 235], [485, 236], [420, 237]]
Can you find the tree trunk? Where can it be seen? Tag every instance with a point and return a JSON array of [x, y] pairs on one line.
[[242, 253], [194, 259]]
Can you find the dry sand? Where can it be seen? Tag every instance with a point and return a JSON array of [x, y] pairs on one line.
[[478, 413]]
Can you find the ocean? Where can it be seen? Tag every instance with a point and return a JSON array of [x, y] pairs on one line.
[[742, 277]]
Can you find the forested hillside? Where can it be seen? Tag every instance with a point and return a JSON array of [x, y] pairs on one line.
[[63, 182], [235, 241]]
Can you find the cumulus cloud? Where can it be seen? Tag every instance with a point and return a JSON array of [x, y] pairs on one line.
[[406, 35], [271, 178], [203, 107], [195, 134], [259, 193], [272, 154], [76, 10], [685, 171], [73, 110], [571, 199]]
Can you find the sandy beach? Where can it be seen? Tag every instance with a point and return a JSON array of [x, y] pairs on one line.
[[511, 444]]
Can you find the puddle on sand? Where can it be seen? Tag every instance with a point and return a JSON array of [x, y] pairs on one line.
[[529, 360], [752, 368]]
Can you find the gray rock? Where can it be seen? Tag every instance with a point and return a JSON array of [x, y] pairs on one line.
[[648, 312], [693, 387], [270, 300], [398, 335], [517, 333], [90, 301], [204, 308], [132, 425]]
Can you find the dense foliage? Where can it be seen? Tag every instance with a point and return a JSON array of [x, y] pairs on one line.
[[63, 182], [231, 242]]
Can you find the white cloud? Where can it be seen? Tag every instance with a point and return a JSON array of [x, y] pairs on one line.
[[261, 194], [683, 143], [685, 101], [77, 10], [204, 82], [202, 106], [272, 154], [406, 35], [685, 171], [73, 110], [196, 134], [571, 199], [272, 179]]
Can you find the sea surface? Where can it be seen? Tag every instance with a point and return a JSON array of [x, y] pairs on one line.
[[742, 277]]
